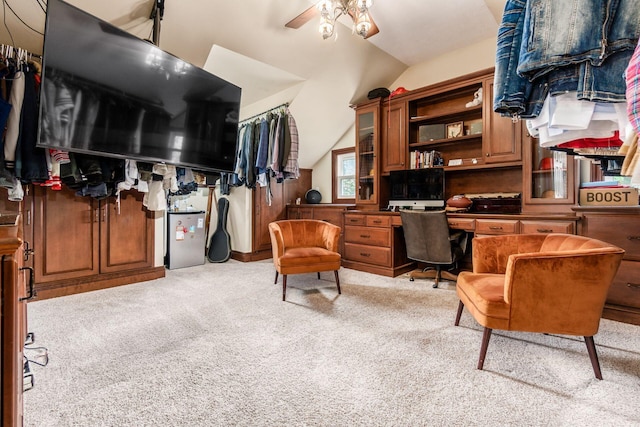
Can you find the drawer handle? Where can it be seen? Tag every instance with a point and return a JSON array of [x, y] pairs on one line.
[[353, 220], [365, 255], [633, 285], [377, 221], [453, 223], [545, 230], [633, 237], [365, 236], [495, 227]]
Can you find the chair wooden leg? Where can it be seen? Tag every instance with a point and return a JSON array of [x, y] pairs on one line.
[[318, 275], [335, 272], [284, 286], [437, 278], [483, 347], [593, 355], [459, 314], [275, 282]]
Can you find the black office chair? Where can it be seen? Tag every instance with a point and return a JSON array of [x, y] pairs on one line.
[[429, 240]]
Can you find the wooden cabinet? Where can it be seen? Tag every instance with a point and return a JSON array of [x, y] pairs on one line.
[[375, 243], [549, 179], [502, 138], [13, 322], [84, 244], [274, 208], [330, 213], [468, 134], [482, 224], [481, 150], [621, 227], [367, 148], [393, 131]]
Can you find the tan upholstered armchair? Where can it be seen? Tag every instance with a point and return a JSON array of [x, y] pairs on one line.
[[554, 283], [304, 246]]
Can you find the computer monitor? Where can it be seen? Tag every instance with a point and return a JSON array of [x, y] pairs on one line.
[[417, 188]]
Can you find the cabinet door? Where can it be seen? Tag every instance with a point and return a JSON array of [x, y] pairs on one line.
[[394, 141], [367, 130], [265, 213], [502, 138], [548, 179], [126, 233], [66, 235]]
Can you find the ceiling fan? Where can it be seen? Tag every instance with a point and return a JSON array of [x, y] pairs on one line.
[[331, 10]]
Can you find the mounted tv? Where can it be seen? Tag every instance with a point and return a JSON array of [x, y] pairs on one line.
[[106, 92], [417, 188]]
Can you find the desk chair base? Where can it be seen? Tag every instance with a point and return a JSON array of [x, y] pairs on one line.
[[429, 273]]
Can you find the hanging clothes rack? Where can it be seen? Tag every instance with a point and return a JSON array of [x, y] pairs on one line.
[[285, 105], [8, 51]]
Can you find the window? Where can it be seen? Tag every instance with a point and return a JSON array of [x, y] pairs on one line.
[[343, 164]]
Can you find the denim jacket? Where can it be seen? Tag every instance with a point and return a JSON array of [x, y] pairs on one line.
[[558, 33], [534, 60]]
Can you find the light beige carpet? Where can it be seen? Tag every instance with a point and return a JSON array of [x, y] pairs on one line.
[[214, 345]]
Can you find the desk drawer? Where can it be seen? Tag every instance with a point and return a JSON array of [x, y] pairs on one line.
[[378, 221], [619, 230], [368, 235], [545, 227], [496, 226], [368, 254], [353, 219], [625, 289], [467, 224]]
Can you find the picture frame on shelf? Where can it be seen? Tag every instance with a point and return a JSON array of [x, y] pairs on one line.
[[455, 130]]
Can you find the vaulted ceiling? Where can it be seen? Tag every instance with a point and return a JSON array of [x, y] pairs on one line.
[[247, 43]]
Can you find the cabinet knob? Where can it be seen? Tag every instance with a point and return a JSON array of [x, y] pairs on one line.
[[488, 155]]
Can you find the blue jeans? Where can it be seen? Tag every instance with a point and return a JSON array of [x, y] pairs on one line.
[[558, 33], [595, 77]]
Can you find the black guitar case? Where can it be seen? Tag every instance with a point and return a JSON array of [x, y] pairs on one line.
[[220, 243]]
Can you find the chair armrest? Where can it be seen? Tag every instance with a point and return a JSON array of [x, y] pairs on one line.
[[277, 241], [331, 237]]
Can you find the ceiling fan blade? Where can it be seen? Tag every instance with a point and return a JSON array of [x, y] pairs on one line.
[[303, 18]]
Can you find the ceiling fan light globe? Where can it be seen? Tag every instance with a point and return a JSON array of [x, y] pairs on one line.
[[365, 3], [363, 24], [326, 29], [325, 5]]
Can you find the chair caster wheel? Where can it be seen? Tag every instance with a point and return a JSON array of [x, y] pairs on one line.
[[411, 279], [435, 285]]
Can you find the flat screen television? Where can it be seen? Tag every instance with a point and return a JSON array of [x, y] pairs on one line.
[[417, 188], [106, 92]]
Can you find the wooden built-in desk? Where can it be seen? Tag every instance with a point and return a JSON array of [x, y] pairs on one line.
[[374, 240]]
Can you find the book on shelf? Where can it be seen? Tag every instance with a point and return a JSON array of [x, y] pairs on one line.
[[426, 159]]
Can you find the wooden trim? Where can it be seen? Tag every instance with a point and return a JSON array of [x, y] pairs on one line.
[[96, 282], [253, 256]]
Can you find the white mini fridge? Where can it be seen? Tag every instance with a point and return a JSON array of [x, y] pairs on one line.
[[186, 239]]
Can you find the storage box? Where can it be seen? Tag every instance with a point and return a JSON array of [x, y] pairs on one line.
[[430, 132], [618, 196]]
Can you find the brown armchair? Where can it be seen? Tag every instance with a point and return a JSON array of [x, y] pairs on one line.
[[554, 283], [304, 246]]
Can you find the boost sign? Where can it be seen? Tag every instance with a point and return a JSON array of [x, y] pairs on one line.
[[608, 197]]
